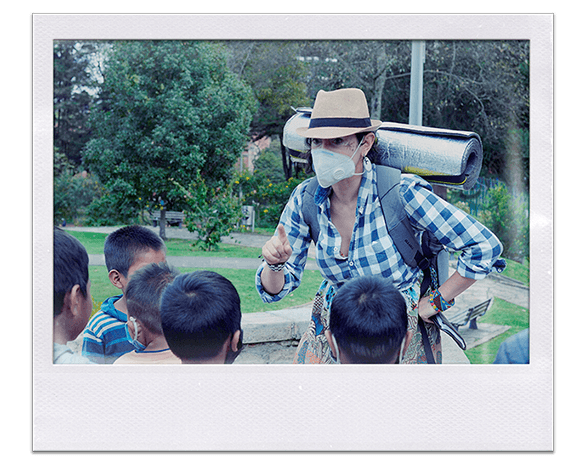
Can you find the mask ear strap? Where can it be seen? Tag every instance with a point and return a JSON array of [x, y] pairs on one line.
[[135, 327], [338, 360], [365, 165]]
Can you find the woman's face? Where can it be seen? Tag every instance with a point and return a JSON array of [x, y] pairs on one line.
[[346, 146]]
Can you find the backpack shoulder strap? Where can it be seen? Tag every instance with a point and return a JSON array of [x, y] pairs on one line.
[[309, 208], [396, 219]]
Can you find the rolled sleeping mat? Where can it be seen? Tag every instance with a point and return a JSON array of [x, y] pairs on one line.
[[451, 158], [444, 157]]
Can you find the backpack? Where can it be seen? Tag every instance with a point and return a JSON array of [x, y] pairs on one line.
[[429, 254]]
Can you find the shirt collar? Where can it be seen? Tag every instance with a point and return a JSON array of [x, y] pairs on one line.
[[108, 308]]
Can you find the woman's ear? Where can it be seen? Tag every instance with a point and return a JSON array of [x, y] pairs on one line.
[[366, 144]]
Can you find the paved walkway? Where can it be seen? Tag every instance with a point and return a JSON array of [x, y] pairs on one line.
[[272, 337]]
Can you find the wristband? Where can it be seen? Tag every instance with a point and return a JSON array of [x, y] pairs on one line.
[[438, 303], [275, 267]]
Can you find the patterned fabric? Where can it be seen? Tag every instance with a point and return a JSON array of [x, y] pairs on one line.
[[105, 338], [371, 250]]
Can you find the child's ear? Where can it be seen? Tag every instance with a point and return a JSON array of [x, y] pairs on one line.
[[76, 300], [72, 301], [115, 278], [329, 337], [235, 340]]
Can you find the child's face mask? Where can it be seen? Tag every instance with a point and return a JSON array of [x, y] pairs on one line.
[[231, 355], [332, 167], [138, 346]]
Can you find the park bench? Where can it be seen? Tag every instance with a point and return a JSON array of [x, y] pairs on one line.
[[171, 218], [470, 314]]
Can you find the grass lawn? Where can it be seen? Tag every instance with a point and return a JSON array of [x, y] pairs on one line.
[[243, 280], [94, 243], [501, 313]]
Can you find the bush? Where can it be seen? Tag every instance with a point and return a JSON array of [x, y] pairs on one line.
[[268, 197], [73, 192], [117, 204], [211, 212], [507, 216]]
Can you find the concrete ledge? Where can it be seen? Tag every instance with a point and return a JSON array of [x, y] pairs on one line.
[[276, 325]]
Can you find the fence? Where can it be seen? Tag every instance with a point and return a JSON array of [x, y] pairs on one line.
[[476, 197]]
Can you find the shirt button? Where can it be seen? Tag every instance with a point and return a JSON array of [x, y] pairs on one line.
[[351, 263], [336, 249]]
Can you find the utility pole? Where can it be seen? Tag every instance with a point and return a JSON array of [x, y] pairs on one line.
[[415, 118], [417, 82]]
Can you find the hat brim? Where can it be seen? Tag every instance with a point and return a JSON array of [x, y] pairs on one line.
[[336, 132]]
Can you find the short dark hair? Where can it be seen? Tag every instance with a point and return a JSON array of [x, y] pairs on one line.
[[124, 245], [368, 318], [199, 311], [143, 294], [71, 267]]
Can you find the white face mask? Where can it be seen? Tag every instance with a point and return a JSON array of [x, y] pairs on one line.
[[333, 167]]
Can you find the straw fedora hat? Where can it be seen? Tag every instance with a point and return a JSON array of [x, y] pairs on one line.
[[339, 113]]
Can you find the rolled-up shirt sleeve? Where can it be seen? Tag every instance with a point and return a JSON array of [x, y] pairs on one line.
[[299, 237], [480, 248]]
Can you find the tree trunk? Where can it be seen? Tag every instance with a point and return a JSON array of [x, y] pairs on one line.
[[378, 84], [162, 224], [285, 160]]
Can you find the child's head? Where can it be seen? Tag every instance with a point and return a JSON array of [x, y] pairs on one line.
[[200, 315], [72, 296], [368, 321], [130, 248], [143, 294]]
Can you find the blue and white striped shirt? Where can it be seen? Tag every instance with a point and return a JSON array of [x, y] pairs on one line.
[[371, 250], [105, 337]]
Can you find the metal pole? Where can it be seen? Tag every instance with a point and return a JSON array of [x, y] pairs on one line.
[[417, 82]]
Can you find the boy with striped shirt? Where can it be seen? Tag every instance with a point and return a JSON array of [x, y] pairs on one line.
[[126, 251]]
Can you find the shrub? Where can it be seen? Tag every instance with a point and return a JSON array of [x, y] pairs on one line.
[[211, 212], [506, 215]]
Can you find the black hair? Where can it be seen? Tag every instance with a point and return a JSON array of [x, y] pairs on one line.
[[71, 267], [368, 318], [143, 294], [199, 312], [124, 245], [372, 154]]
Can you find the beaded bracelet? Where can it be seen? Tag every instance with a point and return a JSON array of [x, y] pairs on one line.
[[438, 302]]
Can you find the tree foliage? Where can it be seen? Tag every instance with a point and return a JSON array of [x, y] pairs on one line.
[[211, 212], [173, 108], [167, 109], [72, 80]]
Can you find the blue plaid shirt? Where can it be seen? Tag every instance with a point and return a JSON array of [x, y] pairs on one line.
[[371, 250]]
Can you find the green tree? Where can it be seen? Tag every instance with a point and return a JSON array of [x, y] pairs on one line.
[[278, 80], [167, 109], [72, 82]]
